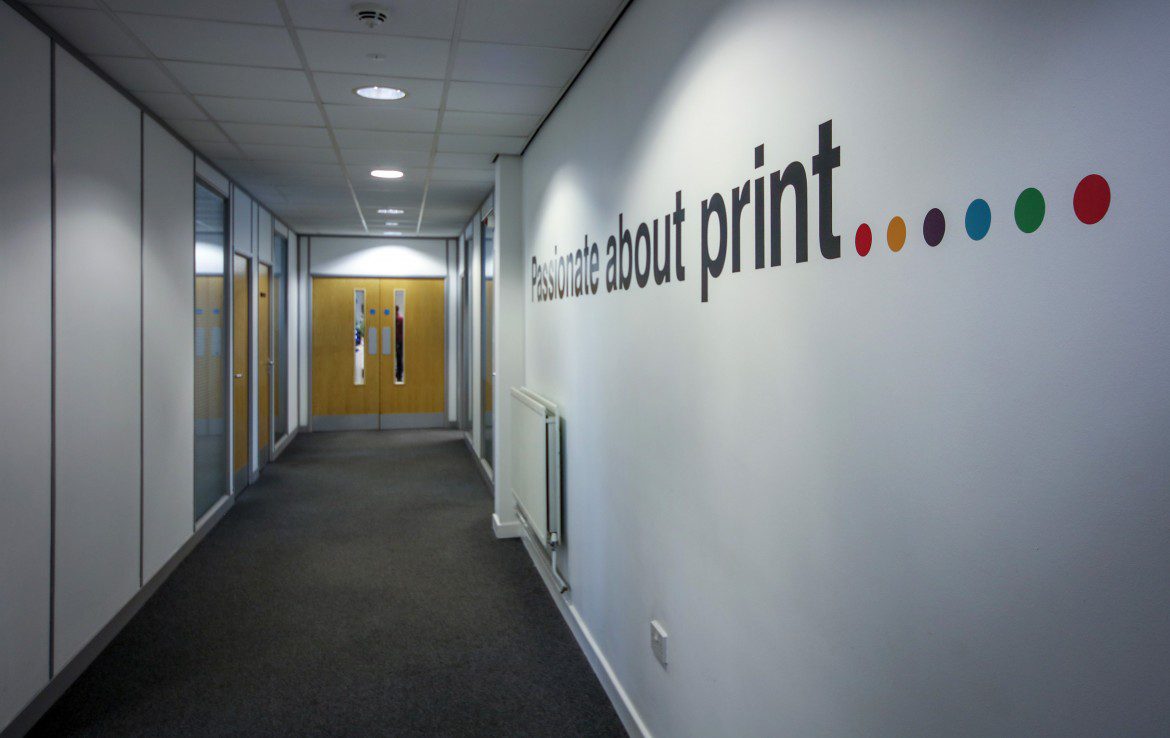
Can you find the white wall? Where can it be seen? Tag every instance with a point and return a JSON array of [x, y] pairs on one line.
[[168, 411], [379, 257], [98, 378], [294, 332], [26, 335], [303, 343], [916, 493]]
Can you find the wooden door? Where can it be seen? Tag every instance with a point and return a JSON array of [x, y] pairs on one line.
[[264, 366], [240, 374], [413, 372], [346, 353]]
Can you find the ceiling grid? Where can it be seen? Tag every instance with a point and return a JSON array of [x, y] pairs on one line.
[[265, 90]]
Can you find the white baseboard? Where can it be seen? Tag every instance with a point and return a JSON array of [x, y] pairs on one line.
[[505, 530], [631, 719]]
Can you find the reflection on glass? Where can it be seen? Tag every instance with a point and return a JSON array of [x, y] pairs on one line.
[[211, 464], [280, 368], [399, 336], [359, 336], [487, 272]]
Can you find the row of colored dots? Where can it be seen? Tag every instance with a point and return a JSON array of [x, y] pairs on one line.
[[1090, 203]]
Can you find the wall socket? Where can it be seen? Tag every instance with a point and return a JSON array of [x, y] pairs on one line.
[[658, 641]]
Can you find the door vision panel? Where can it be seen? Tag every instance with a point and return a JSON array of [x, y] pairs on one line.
[[378, 353]]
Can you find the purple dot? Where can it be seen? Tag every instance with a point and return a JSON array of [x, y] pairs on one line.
[[933, 227]]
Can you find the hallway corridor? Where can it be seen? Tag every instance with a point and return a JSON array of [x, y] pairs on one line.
[[356, 589]]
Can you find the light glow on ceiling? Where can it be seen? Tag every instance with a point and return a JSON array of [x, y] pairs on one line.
[[390, 211], [378, 92], [386, 174]]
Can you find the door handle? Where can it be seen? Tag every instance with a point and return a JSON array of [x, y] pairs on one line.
[[239, 376]]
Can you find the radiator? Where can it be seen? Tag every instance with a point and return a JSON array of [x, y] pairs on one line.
[[536, 471]]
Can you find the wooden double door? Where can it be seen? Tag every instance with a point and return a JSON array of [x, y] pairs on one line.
[[379, 359]]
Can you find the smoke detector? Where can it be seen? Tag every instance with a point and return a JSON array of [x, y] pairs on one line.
[[370, 16]]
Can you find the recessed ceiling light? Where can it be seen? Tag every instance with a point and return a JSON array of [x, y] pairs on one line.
[[391, 222], [386, 174], [377, 92], [390, 211], [391, 233]]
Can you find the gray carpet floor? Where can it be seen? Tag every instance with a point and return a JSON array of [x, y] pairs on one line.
[[356, 589]]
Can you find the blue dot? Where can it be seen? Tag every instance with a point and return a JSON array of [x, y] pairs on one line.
[[978, 219]]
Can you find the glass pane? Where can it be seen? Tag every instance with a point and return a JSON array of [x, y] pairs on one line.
[[399, 336], [487, 362], [211, 462], [280, 368], [359, 337]]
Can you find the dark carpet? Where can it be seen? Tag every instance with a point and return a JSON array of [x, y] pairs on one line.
[[356, 589]]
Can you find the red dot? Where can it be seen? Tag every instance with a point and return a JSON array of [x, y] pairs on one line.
[[864, 239], [1091, 200]]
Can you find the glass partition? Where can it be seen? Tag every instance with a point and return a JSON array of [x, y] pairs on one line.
[[487, 362], [359, 337], [211, 460]]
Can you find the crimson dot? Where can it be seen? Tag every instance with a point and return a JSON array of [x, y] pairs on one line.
[[1091, 200], [864, 239]]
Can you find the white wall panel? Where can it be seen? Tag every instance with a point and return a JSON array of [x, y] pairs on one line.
[[303, 287], [243, 231], [25, 362], [294, 332], [168, 512], [264, 238], [379, 257], [212, 176], [98, 377]]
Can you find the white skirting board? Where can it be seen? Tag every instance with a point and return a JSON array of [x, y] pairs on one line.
[[505, 530], [630, 718]]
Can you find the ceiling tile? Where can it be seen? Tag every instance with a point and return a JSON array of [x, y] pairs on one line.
[[525, 65], [384, 140], [495, 98], [265, 152], [280, 135], [213, 41], [91, 31], [381, 158], [136, 75], [274, 112], [382, 118], [198, 130], [489, 124], [329, 51], [338, 88], [464, 161], [252, 82], [572, 24], [236, 11], [464, 175], [465, 144], [428, 18], [171, 105], [218, 151]]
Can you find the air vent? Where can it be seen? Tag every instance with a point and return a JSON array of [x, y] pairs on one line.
[[370, 16]]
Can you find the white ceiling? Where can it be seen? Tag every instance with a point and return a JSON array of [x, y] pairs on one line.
[[264, 89]]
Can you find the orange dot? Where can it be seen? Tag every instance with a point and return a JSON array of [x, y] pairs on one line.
[[896, 234]]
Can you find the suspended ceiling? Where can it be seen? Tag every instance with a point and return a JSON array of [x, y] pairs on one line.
[[264, 89]]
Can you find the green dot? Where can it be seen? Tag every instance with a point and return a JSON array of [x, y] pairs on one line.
[[1029, 210]]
